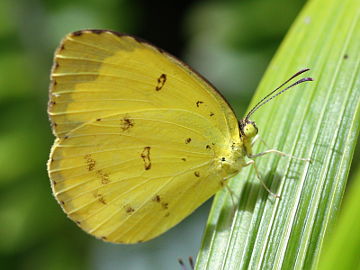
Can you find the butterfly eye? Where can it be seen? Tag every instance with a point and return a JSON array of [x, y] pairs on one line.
[[250, 129]]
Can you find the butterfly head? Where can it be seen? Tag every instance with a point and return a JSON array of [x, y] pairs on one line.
[[248, 128]]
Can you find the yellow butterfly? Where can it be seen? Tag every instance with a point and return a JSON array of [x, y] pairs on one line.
[[142, 140]]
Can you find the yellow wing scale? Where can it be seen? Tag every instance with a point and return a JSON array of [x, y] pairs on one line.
[[138, 136]]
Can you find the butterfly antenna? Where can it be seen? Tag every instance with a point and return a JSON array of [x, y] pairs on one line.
[[266, 99]]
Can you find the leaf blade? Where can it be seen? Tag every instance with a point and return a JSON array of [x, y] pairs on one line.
[[322, 120]]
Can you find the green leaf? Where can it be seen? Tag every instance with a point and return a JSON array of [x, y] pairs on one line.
[[317, 120], [345, 238]]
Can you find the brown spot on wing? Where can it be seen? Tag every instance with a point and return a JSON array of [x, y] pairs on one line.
[[96, 31], [129, 209], [183, 159], [198, 103], [188, 140], [212, 114], [208, 146], [104, 177], [126, 123], [77, 33], [100, 197], [102, 200], [165, 205], [138, 39], [145, 155], [51, 104], [197, 174], [160, 50], [90, 162], [167, 214], [160, 82], [156, 198]]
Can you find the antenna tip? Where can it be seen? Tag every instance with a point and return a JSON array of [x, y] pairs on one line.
[[303, 70]]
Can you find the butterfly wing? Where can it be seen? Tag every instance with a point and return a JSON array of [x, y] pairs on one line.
[[137, 135]]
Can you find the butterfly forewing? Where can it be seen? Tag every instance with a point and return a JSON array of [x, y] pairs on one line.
[[137, 135]]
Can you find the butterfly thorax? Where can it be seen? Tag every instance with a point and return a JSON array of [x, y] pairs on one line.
[[248, 131], [231, 160]]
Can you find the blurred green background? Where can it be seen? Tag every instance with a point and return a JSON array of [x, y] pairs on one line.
[[229, 42]]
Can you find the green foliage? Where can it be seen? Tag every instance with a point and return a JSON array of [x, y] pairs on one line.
[[319, 120]]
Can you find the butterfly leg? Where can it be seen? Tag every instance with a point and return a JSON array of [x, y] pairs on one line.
[[255, 139], [279, 153], [273, 151], [258, 137], [253, 163], [232, 194]]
